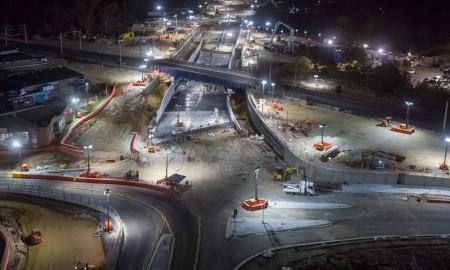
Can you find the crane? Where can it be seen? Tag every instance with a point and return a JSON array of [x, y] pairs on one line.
[[291, 35]]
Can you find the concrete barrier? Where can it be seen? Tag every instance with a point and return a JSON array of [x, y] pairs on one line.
[[192, 36], [339, 175]]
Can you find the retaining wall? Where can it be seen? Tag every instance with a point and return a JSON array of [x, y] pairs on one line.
[[188, 40], [166, 100], [194, 56], [340, 175], [232, 116]]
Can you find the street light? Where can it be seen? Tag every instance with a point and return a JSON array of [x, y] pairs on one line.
[[107, 193], [18, 145], [273, 91], [142, 71], [268, 23], [330, 42], [88, 148], [158, 7], [263, 85], [257, 169], [75, 101], [322, 126], [408, 107], [365, 45]]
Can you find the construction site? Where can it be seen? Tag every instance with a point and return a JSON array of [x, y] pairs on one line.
[[353, 141]]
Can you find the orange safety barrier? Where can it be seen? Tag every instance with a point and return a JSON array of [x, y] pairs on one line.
[[4, 263], [402, 128], [108, 181], [85, 119], [253, 204], [134, 149], [320, 146]]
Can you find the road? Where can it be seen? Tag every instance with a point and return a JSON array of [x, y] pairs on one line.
[[142, 223]]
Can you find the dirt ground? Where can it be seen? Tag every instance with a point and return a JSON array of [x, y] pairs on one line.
[[68, 237], [424, 149], [111, 129]]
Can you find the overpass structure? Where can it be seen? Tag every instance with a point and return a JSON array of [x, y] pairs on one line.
[[208, 74]]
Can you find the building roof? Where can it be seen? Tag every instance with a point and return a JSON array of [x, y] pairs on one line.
[[40, 116], [36, 77]]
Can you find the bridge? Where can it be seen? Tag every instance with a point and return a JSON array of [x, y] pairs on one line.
[[208, 74]]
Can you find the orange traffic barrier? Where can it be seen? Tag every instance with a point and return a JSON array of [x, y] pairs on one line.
[[134, 149], [253, 204], [320, 146], [85, 119], [402, 128]]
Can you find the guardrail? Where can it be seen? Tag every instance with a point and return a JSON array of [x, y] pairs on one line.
[[71, 197], [79, 179], [360, 240]]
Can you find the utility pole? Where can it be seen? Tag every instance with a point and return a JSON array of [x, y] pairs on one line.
[[6, 36], [25, 33], [79, 34], [445, 118], [120, 54], [61, 45]]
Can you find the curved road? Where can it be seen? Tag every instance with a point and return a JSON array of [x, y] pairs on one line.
[[142, 223]]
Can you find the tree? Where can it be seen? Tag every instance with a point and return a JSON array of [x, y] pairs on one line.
[[108, 16], [387, 79]]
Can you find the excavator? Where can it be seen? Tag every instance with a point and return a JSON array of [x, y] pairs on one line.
[[290, 42], [284, 174]]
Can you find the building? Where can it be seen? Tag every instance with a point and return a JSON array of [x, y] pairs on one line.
[[36, 126], [27, 81], [34, 98]]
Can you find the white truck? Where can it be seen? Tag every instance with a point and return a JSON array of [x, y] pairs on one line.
[[301, 187]]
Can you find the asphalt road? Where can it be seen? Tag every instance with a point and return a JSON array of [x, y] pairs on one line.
[[142, 222]]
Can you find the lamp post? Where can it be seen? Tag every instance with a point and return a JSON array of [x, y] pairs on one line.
[[18, 145], [263, 85], [408, 108], [142, 72], [447, 140], [75, 101], [256, 181], [107, 194], [380, 52], [88, 148], [273, 91], [322, 126], [178, 114]]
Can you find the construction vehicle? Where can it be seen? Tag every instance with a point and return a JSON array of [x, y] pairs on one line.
[[385, 122], [126, 36], [24, 167], [301, 187], [304, 126], [284, 174], [277, 106], [91, 174], [34, 238], [132, 175], [290, 43]]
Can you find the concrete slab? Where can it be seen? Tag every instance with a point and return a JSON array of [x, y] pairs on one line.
[[307, 205], [256, 226]]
